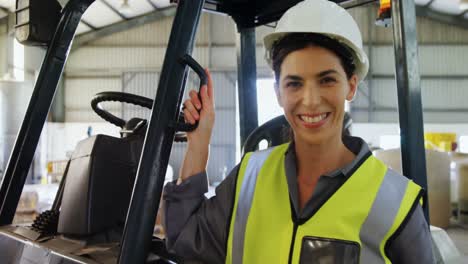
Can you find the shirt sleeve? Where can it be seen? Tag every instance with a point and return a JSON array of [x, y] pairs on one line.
[[414, 243], [196, 227]]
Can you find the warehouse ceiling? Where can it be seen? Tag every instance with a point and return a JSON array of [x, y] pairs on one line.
[[103, 14]]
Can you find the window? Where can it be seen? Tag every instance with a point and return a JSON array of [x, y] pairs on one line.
[[268, 107], [463, 144], [389, 141], [18, 61]]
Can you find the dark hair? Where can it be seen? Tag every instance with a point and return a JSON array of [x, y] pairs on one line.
[[296, 41]]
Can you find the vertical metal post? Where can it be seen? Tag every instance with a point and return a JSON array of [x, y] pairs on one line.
[[58, 104], [247, 82], [149, 183], [409, 93], [36, 113], [370, 77]]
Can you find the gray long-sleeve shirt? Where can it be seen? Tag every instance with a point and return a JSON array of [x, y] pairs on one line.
[[197, 228]]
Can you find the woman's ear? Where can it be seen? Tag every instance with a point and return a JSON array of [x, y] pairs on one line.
[[278, 95], [353, 84]]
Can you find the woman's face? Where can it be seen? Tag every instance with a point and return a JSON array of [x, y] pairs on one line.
[[312, 90]]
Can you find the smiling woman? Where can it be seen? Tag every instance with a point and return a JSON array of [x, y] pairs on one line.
[[312, 85], [312, 88], [321, 198]]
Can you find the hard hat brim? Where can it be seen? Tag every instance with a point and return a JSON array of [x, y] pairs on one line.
[[360, 58]]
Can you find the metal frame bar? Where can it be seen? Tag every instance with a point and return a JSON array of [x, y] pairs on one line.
[[85, 38], [86, 23], [457, 77], [409, 94], [247, 82], [428, 4], [370, 74], [36, 113], [124, 17], [57, 109], [4, 9], [159, 138], [4, 20], [377, 108], [153, 5], [355, 3], [462, 14]]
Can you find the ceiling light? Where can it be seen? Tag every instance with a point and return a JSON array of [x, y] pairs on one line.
[[125, 8], [463, 5]]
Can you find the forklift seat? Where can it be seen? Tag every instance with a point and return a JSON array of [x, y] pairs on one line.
[[100, 181]]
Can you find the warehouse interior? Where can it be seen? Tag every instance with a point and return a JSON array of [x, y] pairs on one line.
[[120, 45]]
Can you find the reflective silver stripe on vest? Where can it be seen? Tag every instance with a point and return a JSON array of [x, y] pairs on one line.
[[382, 215], [244, 202]]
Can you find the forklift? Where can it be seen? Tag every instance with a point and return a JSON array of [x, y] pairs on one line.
[[91, 222]]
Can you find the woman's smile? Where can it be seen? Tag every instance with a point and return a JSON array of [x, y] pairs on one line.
[[314, 120]]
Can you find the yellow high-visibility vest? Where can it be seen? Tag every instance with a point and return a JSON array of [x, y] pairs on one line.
[[360, 217]]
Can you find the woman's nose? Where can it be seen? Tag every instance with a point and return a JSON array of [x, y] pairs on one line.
[[311, 96]]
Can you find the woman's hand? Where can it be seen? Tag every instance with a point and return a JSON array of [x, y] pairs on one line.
[[201, 109]]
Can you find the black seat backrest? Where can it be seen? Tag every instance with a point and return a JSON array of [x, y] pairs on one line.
[[277, 131], [99, 184]]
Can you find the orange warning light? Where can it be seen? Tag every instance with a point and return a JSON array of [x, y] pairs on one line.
[[384, 15]]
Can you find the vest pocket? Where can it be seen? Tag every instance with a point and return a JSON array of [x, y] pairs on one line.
[[318, 250]]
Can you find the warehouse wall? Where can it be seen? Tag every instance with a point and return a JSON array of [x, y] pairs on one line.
[[377, 134], [3, 47], [107, 64], [428, 30], [15, 94], [443, 67], [444, 85]]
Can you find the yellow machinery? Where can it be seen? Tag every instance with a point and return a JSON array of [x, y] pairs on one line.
[[440, 141]]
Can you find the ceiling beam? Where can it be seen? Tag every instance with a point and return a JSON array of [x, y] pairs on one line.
[[4, 9], [152, 4], [428, 4], [87, 37], [355, 3], [117, 12], [453, 20], [162, 13], [395, 109], [462, 14], [4, 12], [86, 23], [4, 20]]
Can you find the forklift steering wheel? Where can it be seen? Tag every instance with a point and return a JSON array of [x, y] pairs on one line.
[[117, 97]]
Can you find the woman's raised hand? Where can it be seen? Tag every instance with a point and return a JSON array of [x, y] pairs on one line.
[[201, 109]]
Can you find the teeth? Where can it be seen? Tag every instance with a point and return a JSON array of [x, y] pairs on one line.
[[315, 119]]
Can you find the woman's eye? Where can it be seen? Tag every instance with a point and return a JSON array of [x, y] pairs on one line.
[[328, 80]]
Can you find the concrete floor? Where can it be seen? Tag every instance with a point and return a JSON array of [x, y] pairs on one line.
[[459, 235]]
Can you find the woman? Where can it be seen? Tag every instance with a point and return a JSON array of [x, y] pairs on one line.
[[323, 198]]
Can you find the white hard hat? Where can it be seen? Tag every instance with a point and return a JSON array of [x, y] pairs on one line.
[[321, 17]]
